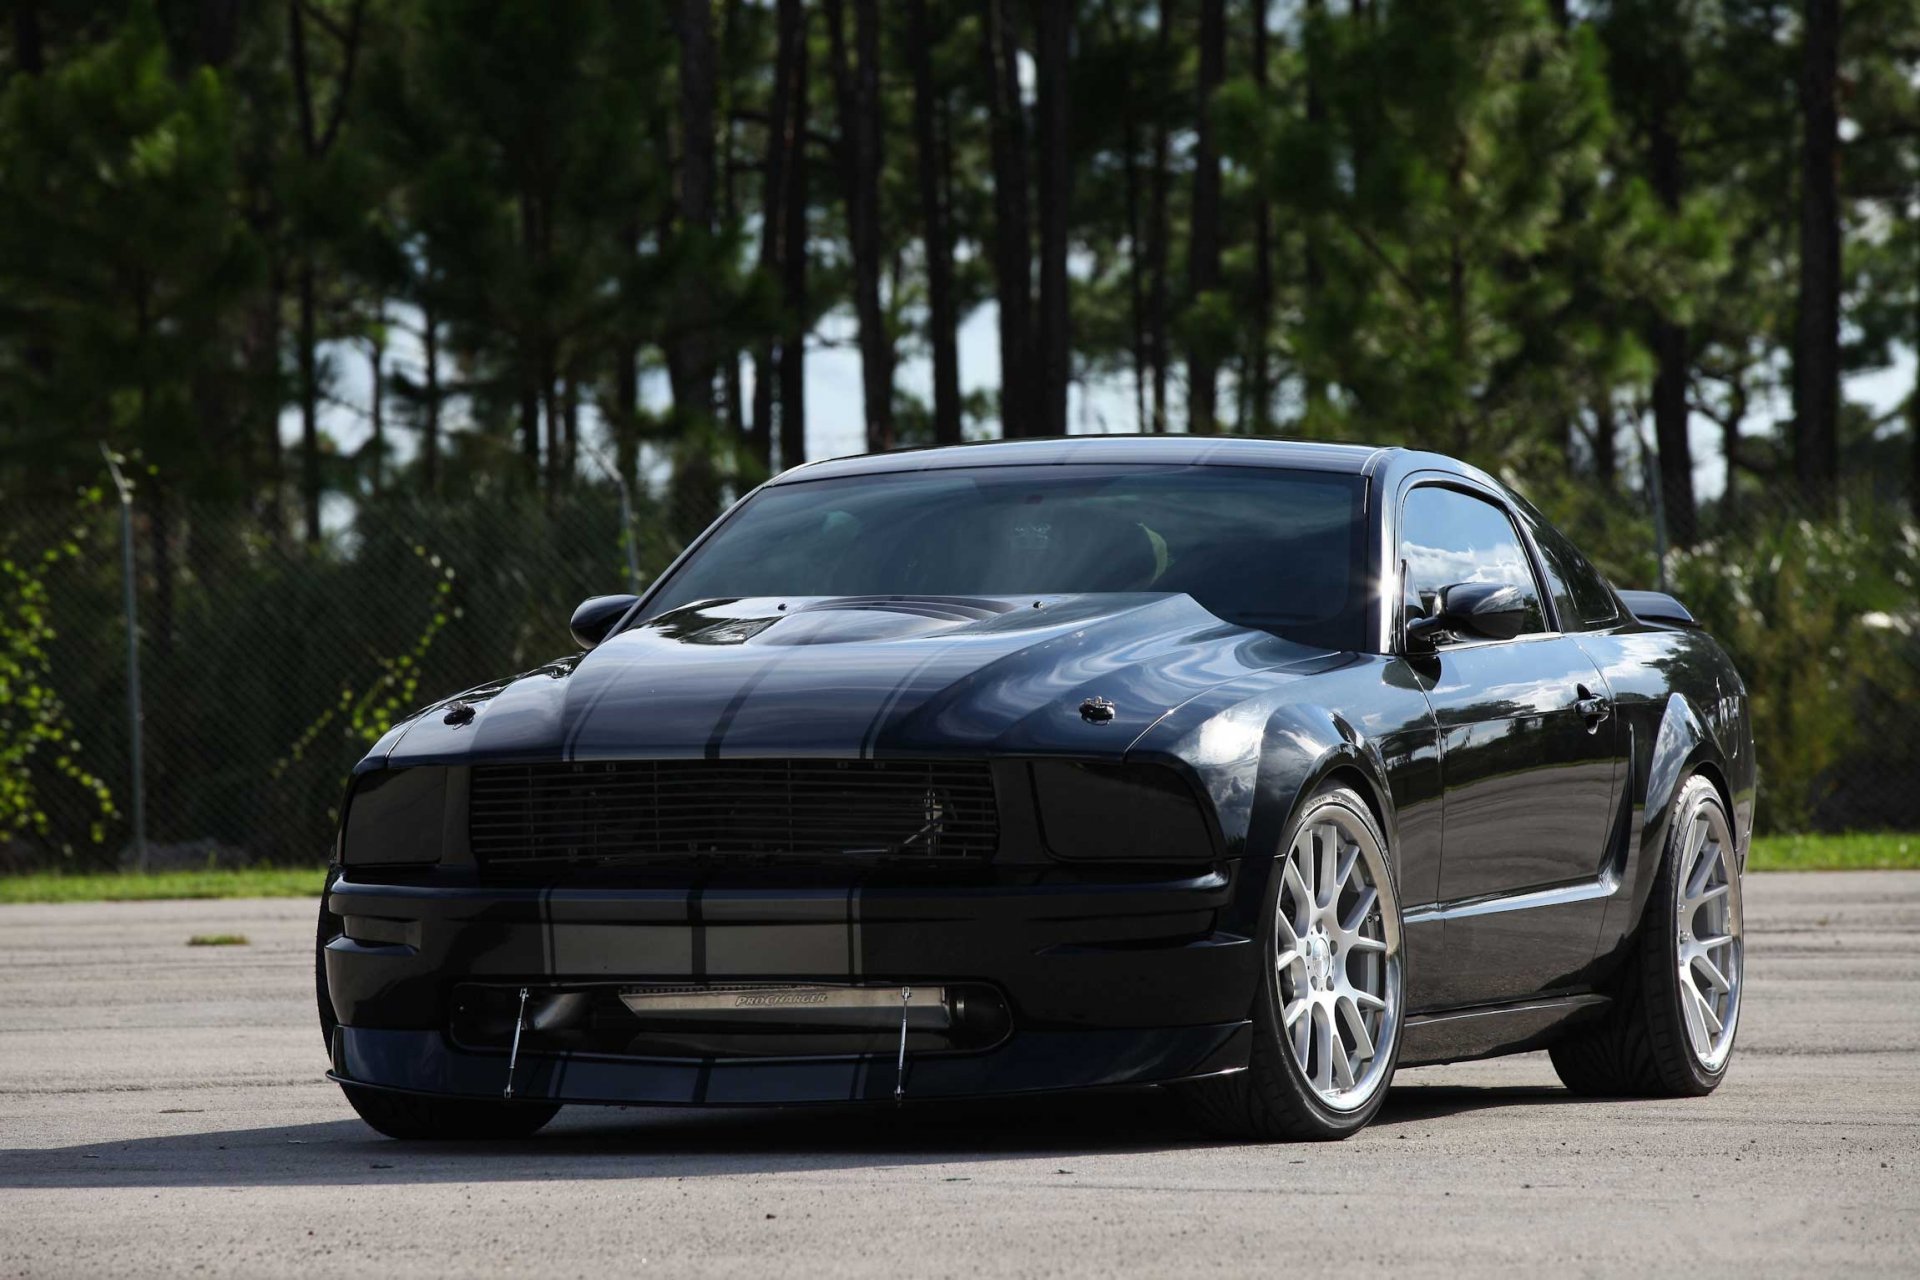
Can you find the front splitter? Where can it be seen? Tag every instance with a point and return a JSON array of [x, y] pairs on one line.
[[1030, 1061]]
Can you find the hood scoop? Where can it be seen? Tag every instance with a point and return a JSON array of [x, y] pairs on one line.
[[851, 619], [938, 608]]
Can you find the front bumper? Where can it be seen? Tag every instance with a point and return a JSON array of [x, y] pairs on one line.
[[1107, 983]]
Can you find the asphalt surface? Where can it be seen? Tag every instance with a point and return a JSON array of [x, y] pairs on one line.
[[162, 1112]]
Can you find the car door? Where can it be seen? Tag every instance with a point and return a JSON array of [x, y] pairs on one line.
[[1528, 754]]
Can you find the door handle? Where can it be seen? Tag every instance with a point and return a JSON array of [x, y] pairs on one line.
[[1592, 708]]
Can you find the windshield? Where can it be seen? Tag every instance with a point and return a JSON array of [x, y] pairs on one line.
[[1279, 550]]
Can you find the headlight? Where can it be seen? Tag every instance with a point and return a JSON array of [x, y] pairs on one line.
[[397, 816], [1096, 812]]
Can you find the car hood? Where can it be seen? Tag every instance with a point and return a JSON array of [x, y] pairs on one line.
[[858, 676]]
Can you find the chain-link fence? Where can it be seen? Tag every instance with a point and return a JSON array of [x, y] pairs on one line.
[[268, 667]]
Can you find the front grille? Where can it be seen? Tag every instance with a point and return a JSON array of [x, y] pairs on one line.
[[615, 812]]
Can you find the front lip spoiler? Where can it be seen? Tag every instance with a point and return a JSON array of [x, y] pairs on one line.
[[424, 1064]]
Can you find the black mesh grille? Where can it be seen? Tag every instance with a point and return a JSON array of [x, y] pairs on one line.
[[661, 811]]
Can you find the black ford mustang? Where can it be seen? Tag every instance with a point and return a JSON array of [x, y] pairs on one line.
[[1250, 768]]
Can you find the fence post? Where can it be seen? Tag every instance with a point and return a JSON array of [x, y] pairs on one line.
[[135, 720]]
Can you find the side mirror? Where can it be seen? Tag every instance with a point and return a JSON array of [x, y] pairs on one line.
[[1489, 610], [596, 616]]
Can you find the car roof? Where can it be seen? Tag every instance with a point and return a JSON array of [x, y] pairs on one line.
[[1175, 450]]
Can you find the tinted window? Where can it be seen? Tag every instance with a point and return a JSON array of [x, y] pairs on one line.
[[1580, 594], [1280, 550], [1447, 536]]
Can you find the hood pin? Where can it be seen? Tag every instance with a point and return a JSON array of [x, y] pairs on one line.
[[1096, 711]]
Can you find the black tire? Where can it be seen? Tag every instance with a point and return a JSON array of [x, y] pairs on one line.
[[1272, 1100], [1642, 1047], [414, 1117]]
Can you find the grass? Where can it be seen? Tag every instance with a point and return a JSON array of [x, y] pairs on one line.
[[217, 940], [1855, 851], [114, 886], [1860, 851]]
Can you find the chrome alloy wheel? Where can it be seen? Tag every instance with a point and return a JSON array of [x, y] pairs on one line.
[[1337, 948], [1708, 934]]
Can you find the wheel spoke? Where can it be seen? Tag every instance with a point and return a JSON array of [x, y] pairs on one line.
[[1345, 873], [1360, 942], [1357, 1028], [1329, 883], [1711, 972], [1701, 899], [1703, 868], [1293, 1011], [1303, 1039], [1712, 1019], [1368, 1000], [1288, 959], [1302, 897], [1690, 1009], [1361, 910]]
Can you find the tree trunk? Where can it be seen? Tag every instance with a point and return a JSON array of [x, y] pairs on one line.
[[1259, 388], [1136, 256], [793, 267], [856, 76], [1203, 255], [942, 321], [430, 417], [1816, 351], [790, 54], [1012, 236], [376, 406], [1315, 270], [309, 407], [1055, 104], [1606, 451], [29, 51], [1160, 233], [1670, 341], [690, 360]]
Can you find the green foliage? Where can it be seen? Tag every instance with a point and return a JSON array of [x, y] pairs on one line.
[[36, 732], [1821, 619], [392, 693], [1854, 851], [251, 882]]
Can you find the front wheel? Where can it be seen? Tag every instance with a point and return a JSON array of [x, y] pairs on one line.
[[1670, 1030], [1327, 1017]]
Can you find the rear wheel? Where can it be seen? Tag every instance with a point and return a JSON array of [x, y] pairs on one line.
[[1327, 1017], [1670, 1030]]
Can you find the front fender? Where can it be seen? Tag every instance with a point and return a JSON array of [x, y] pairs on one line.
[[1257, 759]]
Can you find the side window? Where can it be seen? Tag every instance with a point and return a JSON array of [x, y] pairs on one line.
[[1447, 536], [1579, 592]]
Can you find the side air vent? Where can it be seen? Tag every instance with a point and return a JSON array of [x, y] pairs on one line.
[[643, 812]]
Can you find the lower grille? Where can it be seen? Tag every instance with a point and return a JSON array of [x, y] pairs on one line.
[[631, 812]]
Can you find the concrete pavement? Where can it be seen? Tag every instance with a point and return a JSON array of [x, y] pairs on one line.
[[162, 1113]]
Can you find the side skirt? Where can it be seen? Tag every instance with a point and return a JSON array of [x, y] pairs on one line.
[[1488, 1031]]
